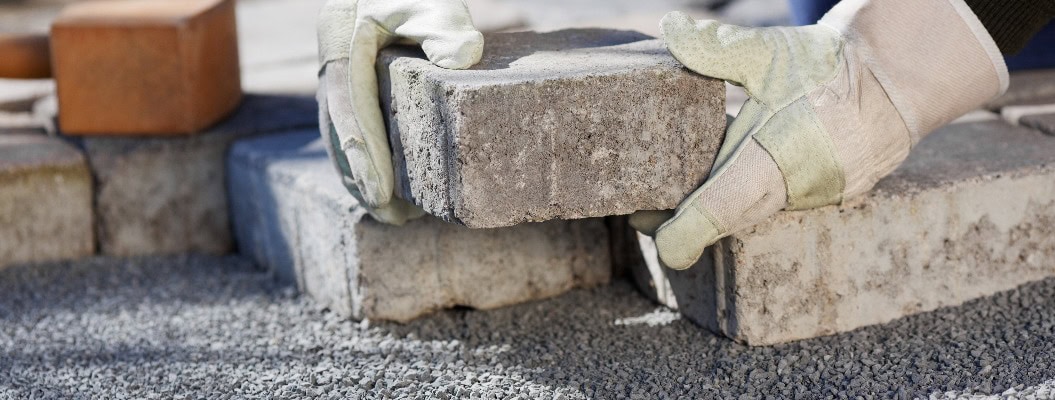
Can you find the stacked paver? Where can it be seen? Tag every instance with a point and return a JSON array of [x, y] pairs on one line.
[[561, 125], [292, 216], [289, 212]]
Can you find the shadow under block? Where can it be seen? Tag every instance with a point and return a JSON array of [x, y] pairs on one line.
[[560, 125], [166, 195], [135, 67], [292, 216], [970, 213], [45, 200]]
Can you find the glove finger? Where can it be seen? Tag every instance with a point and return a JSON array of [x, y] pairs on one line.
[[360, 133], [648, 221], [396, 212], [332, 141], [445, 31], [744, 191], [714, 49]]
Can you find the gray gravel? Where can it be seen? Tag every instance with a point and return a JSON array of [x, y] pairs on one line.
[[205, 327]]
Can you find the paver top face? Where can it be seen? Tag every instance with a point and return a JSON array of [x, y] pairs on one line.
[[519, 57], [1043, 122], [23, 151], [135, 12], [1028, 88], [970, 151]]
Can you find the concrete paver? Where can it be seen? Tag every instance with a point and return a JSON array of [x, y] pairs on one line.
[[124, 70], [18, 95], [1027, 88], [970, 213], [292, 216], [1043, 122], [45, 200], [164, 195], [567, 124]]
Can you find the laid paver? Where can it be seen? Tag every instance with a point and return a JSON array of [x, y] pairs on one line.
[[559, 125], [1028, 88], [45, 200], [1043, 122], [292, 215], [970, 213], [21, 122], [18, 95], [144, 67], [164, 195]]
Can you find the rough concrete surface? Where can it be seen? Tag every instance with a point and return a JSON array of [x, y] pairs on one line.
[[166, 195], [292, 215], [567, 124], [206, 327], [45, 200], [970, 213], [1043, 122], [1028, 88]]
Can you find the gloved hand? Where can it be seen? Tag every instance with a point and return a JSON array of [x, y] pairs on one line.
[[833, 108], [351, 33]]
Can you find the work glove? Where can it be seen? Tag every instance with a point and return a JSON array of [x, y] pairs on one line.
[[833, 108], [351, 33]]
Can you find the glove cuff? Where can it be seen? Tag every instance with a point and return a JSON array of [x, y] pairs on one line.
[[933, 58]]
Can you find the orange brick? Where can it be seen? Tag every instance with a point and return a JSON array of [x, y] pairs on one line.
[[145, 67]]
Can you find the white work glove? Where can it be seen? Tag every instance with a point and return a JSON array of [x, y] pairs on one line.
[[350, 35], [834, 107]]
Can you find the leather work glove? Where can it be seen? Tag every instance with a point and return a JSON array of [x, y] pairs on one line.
[[833, 108], [351, 33]]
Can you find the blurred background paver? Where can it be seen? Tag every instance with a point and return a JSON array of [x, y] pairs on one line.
[[165, 195], [45, 200], [124, 70]]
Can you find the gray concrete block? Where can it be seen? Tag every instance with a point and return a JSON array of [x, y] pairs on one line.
[[161, 195], [970, 213], [561, 125], [1043, 122], [45, 200], [18, 95], [20, 122], [292, 215], [1027, 88]]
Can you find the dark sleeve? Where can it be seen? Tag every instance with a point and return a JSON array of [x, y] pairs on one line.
[[1012, 23]]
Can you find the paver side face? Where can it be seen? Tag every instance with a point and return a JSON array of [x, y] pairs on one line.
[[971, 213], [428, 264], [569, 124], [167, 195], [45, 200]]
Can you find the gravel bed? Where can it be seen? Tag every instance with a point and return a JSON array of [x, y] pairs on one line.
[[214, 327]]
